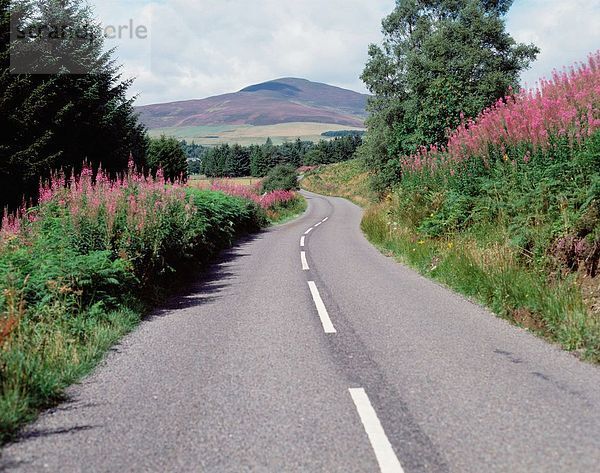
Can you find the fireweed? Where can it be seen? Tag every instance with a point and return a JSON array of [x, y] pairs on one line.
[[508, 211], [562, 110], [266, 201], [78, 270]]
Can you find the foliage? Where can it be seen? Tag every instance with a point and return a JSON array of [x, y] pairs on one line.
[[74, 269], [516, 193], [195, 155], [349, 179], [226, 161], [530, 162], [237, 161], [440, 60], [281, 177], [168, 155], [266, 201], [553, 119], [53, 121], [192, 150]]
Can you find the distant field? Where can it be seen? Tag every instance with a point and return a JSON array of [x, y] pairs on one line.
[[202, 182], [248, 134]]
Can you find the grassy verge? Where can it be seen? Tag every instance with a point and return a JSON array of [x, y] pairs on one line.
[[348, 179], [80, 270], [480, 261], [287, 211]]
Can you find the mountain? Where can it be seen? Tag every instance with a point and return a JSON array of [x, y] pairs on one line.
[[285, 100]]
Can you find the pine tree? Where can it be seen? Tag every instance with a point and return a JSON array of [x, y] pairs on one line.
[[167, 154]]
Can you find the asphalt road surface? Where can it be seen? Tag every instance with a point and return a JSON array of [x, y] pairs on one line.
[[307, 350]]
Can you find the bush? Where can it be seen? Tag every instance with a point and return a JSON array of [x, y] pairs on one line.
[[281, 177], [509, 210], [77, 270]]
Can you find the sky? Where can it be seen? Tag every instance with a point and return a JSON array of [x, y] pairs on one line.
[[185, 49]]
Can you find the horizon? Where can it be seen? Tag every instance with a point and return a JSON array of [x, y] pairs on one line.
[[250, 85]]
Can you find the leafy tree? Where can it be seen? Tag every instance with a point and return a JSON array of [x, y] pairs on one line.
[[192, 150], [440, 60], [168, 155], [52, 121]]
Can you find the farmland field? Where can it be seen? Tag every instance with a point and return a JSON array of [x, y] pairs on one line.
[[248, 134], [202, 182]]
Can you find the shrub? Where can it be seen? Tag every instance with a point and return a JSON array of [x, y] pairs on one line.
[[76, 271], [267, 201], [281, 177]]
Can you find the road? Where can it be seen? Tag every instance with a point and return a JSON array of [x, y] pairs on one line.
[[310, 351]]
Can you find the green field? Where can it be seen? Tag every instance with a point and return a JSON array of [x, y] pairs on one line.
[[247, 134]]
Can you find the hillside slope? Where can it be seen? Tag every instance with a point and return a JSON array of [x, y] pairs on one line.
[[283, 100]]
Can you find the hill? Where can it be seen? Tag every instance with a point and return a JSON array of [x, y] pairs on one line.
[[285, 100]]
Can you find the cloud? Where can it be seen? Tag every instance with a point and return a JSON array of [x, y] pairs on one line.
[[199, 48], [565, 31], [207, 47]]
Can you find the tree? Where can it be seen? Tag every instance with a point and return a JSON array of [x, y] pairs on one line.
[[440, 60], [58, 120], [261, 158], [168, 155], [240, 157], [194, 166]]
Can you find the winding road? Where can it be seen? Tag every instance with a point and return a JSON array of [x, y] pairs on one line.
[[304, 349]]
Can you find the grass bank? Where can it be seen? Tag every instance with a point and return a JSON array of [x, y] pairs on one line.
[[81, 269], [482, 261], [347, 179]]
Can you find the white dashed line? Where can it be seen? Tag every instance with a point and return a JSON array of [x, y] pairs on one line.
[[323, 314], [302, 241], [387, 459], [325, 219], [318, 224], [308, 231], [304, 262]]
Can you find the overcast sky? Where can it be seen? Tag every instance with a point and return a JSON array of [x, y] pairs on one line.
[[198, 48]]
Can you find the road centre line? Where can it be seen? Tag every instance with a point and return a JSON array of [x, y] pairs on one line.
[[325, 219], [387, 459], [318, 224], [304, 262], [321, 309], [302, 241], [308, 231]]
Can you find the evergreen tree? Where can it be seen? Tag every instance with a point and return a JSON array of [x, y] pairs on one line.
[[168, 155], [240, 157], [52, 121]]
